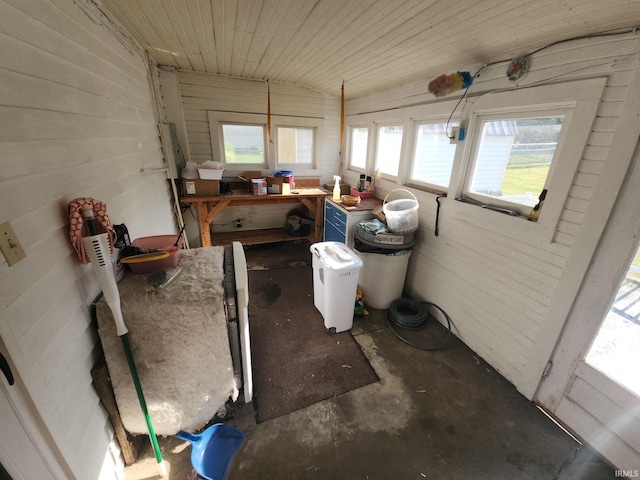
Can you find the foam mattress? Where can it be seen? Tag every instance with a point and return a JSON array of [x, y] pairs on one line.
[[180, 345]]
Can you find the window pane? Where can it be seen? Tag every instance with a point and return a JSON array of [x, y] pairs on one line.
[[514, 158], [295, 145], [433, 158], [243, 144], [388, 152], [359, 139]]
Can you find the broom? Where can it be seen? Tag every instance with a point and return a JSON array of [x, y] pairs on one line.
[[98, 251]]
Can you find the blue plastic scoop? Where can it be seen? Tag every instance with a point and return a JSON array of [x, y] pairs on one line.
[[212, 450]]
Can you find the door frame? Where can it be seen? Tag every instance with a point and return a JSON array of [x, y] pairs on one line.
[[25, 433], [600, 285]]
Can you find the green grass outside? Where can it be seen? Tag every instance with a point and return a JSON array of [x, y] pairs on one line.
[[248, 158], [519, 180], [531, 178], [528, 158]]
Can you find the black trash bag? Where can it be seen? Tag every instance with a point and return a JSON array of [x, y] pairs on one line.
[[298, 224]]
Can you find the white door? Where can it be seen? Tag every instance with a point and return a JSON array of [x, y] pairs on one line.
[[19, 455], [592, 382]]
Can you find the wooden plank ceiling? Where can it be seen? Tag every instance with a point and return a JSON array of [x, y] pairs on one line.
[[371, 45]]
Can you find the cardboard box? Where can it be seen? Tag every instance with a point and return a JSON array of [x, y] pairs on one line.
[[279, 185], [249, 175], [345, 189], [274, 185], [259, 186], [199, 187], [379, 214]]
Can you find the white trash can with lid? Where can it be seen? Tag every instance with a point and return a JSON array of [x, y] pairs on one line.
[[335, 281]]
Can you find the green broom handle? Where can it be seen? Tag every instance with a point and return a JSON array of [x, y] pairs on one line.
[[143, 403]]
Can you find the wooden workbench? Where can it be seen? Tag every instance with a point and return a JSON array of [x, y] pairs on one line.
[[208, 209]]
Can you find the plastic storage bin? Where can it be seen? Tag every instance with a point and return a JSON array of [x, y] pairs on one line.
[[401, 214], [210, 173], [158, 242], [335, 281]]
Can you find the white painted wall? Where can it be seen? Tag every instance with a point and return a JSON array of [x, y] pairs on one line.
[[76, 120], [201, 92], [507, 292]]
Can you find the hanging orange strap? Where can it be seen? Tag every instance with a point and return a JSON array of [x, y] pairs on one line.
[[269, 112], [341, 118]]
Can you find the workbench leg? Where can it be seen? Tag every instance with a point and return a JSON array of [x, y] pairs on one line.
[[319, 218], [205, 232]]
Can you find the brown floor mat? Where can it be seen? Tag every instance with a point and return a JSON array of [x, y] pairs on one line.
[[295, 361]]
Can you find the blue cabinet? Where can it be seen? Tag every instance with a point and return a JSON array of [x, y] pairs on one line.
[[340, 223], [332, 234]]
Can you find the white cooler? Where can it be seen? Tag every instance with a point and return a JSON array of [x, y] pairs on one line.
[[335, 281]]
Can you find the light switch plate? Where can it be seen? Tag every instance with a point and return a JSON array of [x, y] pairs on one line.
[[9, 245], [454, 135]]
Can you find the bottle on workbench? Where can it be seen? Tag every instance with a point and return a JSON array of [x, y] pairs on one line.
[[336, 187]]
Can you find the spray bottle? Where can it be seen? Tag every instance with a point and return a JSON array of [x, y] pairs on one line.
[[336, 187]]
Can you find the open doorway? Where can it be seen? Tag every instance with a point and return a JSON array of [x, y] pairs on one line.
[[616, 349], [592, 385]]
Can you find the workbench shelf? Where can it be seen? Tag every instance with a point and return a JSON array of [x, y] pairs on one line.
[[209, 207], [256, 237]]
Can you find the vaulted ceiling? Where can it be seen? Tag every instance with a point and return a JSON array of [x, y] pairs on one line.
[[371, 45]]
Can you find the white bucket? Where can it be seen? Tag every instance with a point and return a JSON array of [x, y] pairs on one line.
[[401, 214]]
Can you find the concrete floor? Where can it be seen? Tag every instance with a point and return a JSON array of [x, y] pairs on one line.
[[433, 414]]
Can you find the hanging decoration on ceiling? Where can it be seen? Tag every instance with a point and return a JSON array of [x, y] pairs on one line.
[[449, 83], [518, 68], [269, 112]]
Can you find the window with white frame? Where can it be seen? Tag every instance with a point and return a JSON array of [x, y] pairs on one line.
[[517, 143], [295, 145], [359, 139], [389, 149], [514, 156], [240, 141], [521, 142], [243, 144], [433, 154], [408, 147]]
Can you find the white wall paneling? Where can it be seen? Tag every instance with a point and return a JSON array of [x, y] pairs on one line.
[[76, 120], [202, 93], [374, 46], [507, 287]]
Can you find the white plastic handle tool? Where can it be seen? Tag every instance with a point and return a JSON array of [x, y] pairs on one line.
[[97, 247]]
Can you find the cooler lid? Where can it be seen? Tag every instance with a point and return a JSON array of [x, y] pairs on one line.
[[376, 234], [336, 255]]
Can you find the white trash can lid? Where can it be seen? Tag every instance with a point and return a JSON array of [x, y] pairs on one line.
[[336, 255]]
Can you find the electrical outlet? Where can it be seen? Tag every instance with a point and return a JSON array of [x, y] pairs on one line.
[[9, 245], [454, 135]]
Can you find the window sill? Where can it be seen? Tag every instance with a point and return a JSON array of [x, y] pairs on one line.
[[424, 188]]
